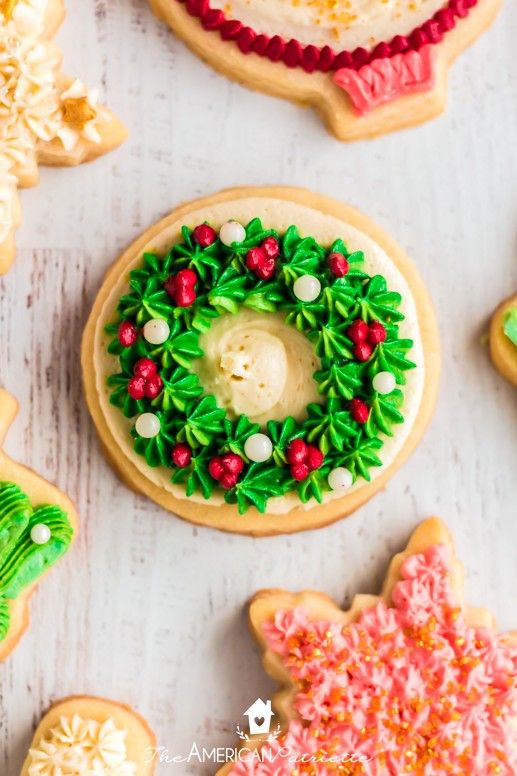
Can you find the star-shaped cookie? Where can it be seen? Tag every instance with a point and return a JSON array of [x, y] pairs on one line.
[[37, 526], [45, 116], [410, 682]]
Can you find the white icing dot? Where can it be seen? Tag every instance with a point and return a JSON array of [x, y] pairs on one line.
[[307, 288], [147, 425], [156, 331], [258, 448], [340, 478], [232, 232], [40, 533], [384, 382]]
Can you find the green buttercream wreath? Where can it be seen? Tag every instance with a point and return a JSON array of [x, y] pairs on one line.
[[193, 420]]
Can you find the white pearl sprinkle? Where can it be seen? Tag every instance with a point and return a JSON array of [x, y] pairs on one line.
[[384, 382], [232, 232], [40, 533], [147, 425], [156, 331], [258, 448], [340, 478], [307, 288]]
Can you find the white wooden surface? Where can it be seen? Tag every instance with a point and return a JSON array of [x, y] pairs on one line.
[[146, 608]]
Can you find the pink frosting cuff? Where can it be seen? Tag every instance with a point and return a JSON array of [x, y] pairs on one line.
[[384, 80], [410, 689]]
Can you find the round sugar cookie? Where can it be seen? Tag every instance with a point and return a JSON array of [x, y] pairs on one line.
[[261, 361]]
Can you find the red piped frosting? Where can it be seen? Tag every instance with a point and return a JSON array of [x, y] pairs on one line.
[[411, 689], [311, 58]]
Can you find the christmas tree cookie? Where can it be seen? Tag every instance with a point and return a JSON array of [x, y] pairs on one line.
[[88, 735], [367, 66], [503, 339], [410, 682], [261, 361], [46, 117], [37, 525]]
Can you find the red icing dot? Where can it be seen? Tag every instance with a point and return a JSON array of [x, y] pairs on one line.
[[230, 29], [181, 455], [153, 386], [127, 333], [245, 39], [215, 467], [299, 471], [228, 480], [343, 60], [399, 44], [254, 257], [357, 331], [376, 333], [326, 60], [275, 49], [292, 53], [310, 57], [213, 19], [314, 457], [363, 351], [232, 463], [360, 56], [261, 44], [136, 387], [271, 247], [203, 234], [338, 264], [359, 410], [144, 367], [186, 278], [297, 451]]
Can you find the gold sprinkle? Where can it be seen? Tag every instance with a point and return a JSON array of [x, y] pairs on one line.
[[7, 8], [77, 112]]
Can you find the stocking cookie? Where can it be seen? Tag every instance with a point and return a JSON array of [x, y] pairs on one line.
[[503, 339], [37, 525], [367, 66], [261, 361], [84, 734], [411, 681], [45, 117]]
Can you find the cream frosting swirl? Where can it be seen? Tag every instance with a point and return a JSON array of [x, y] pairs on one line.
[[82, 747], [32, 99]]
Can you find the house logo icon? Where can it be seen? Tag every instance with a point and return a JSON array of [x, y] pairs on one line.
[[259, 717]]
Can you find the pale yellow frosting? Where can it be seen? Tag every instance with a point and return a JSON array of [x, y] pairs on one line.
[[342, 24], [279, 214], [82, 747]]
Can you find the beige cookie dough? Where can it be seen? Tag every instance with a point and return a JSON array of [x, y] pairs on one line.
[[318, 89], [39, 491], [325, 219], [84, 734], [46, 117], [502, 350]]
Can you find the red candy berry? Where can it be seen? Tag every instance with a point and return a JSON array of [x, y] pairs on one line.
[[297, 451], [181, 287], [363, 351], [144, 367], [254, 257], [261, 261], [271, 247], [181, 455], [338, 264], [228, 480], [232, 463], [153, 386], [215, 468], [314, 457], [226, 469], [136, 388], [359, 410], [204, 235], [357, 331], [127, 333], [299, 471], [376, 333]]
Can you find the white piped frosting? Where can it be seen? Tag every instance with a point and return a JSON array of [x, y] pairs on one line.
[[82, 747]]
